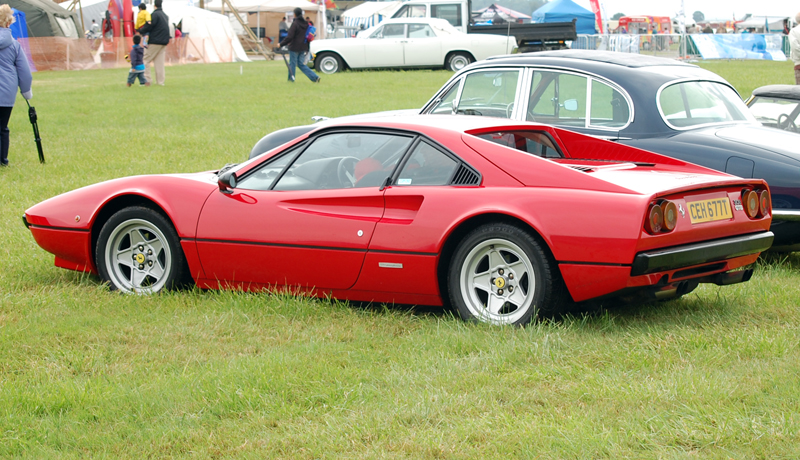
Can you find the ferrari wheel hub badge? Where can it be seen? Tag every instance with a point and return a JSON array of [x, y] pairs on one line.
[[140, 258], [500, 282]]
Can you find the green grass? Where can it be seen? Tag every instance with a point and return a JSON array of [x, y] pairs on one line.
[[89, 373]]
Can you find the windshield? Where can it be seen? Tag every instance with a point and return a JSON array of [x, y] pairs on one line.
[[695, 103], [771, 110]]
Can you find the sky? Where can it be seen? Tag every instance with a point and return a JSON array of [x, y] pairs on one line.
[[712, 9]]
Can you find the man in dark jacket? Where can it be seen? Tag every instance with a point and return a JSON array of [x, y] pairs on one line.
[[298, 46], [158, 28]]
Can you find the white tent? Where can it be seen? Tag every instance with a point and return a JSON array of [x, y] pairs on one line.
[[369, 13], [759, 23], [315, 11], [209, 35], [92, 9]]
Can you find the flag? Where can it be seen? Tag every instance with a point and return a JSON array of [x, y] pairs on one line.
[[598, 17]]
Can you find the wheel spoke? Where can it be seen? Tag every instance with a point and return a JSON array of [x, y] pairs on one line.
[[495, 259], [495, 304], [157, 246], [136, 237], [125, 257], [518, 268], [517, 297], [137, 278], [156, 271], [482, 281]]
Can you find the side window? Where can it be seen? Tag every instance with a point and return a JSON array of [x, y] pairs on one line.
[[427, 166], [609, 107], [420, 31], [394, 31], [533, 142], [345, 160], [411, 11], [264, 176], [446, 104], [489, 93], [558, 98], [452, 13]]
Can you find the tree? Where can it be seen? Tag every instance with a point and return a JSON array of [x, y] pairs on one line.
[[698, 16], [617, 16]]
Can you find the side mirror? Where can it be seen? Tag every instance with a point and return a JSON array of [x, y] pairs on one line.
[[227, 182], [571, 105]]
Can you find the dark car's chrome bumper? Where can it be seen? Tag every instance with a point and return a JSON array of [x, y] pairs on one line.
[[785, 214], [700, 253]]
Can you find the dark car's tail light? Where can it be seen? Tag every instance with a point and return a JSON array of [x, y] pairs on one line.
[[670, 212], [655, 219], [765, 202]]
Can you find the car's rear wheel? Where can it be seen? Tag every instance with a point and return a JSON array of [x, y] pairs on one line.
[[499, 274], [138, 251], [458, 61], [328, 63]]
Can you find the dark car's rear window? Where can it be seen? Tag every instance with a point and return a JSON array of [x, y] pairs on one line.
[[694, 103]]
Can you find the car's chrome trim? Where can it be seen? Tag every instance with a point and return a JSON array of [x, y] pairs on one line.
[[687, 128], [700, 253], [785, 214]]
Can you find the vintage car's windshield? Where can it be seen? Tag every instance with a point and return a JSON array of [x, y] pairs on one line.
[[694, 103], [773, 110]]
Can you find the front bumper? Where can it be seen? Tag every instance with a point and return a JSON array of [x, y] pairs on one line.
[[700, 253]]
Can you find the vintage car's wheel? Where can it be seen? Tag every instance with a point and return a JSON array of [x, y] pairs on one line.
[[499, 274], [458, 61], [138, 251], [328, 63]]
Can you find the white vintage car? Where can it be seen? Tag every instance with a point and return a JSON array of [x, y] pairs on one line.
[[408, 42]]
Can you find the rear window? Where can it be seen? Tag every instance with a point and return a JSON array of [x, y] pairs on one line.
[[533, 142], [695, 103]]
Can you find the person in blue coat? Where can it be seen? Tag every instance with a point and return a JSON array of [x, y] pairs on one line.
[[14, 73]]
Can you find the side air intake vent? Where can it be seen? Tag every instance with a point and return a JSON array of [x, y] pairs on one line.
[[466, 176]]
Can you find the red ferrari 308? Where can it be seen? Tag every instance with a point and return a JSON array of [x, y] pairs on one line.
[[503, 220]]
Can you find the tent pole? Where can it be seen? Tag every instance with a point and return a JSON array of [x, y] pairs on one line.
[[267, 54]]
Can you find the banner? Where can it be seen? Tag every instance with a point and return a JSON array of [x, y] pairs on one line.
[[597, 15], [740, 46]]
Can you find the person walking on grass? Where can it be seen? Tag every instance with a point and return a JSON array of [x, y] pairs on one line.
[[158, 28], [137, 63], [794, 44], [14, 73], [298, 47]]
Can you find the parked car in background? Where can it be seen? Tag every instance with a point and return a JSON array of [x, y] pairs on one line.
[[408, 43], [777, 106], [504, 220], [656, 104]]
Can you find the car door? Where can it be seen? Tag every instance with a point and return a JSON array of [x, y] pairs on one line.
[[422, 47], [303, 218], [385, 46]]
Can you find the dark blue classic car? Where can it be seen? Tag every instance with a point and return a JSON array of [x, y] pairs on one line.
[[656, 104]]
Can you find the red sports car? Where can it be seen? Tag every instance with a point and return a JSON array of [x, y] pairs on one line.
[[502, 219]]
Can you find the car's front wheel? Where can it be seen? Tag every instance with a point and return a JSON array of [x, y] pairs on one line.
[[328, 63], [499, 274], [138, 251], [458, 61]]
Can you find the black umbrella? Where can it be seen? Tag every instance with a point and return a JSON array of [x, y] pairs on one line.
[[32, 115]]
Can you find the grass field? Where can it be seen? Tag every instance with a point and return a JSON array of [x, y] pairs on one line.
[[89, 373]]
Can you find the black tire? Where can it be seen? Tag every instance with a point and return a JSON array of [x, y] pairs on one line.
[[520, 285], [328, 63], [138, 251], [458, 61]]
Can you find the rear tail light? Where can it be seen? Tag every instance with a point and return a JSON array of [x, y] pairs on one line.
[[765, 203], [670, 212], [757, 203], [661, 217]]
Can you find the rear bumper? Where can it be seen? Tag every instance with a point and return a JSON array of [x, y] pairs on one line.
[[700, 253]]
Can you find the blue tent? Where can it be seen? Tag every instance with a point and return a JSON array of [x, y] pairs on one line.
[[19, 30], [566, 11]]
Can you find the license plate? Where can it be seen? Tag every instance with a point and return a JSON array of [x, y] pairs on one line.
[[710, 210]]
